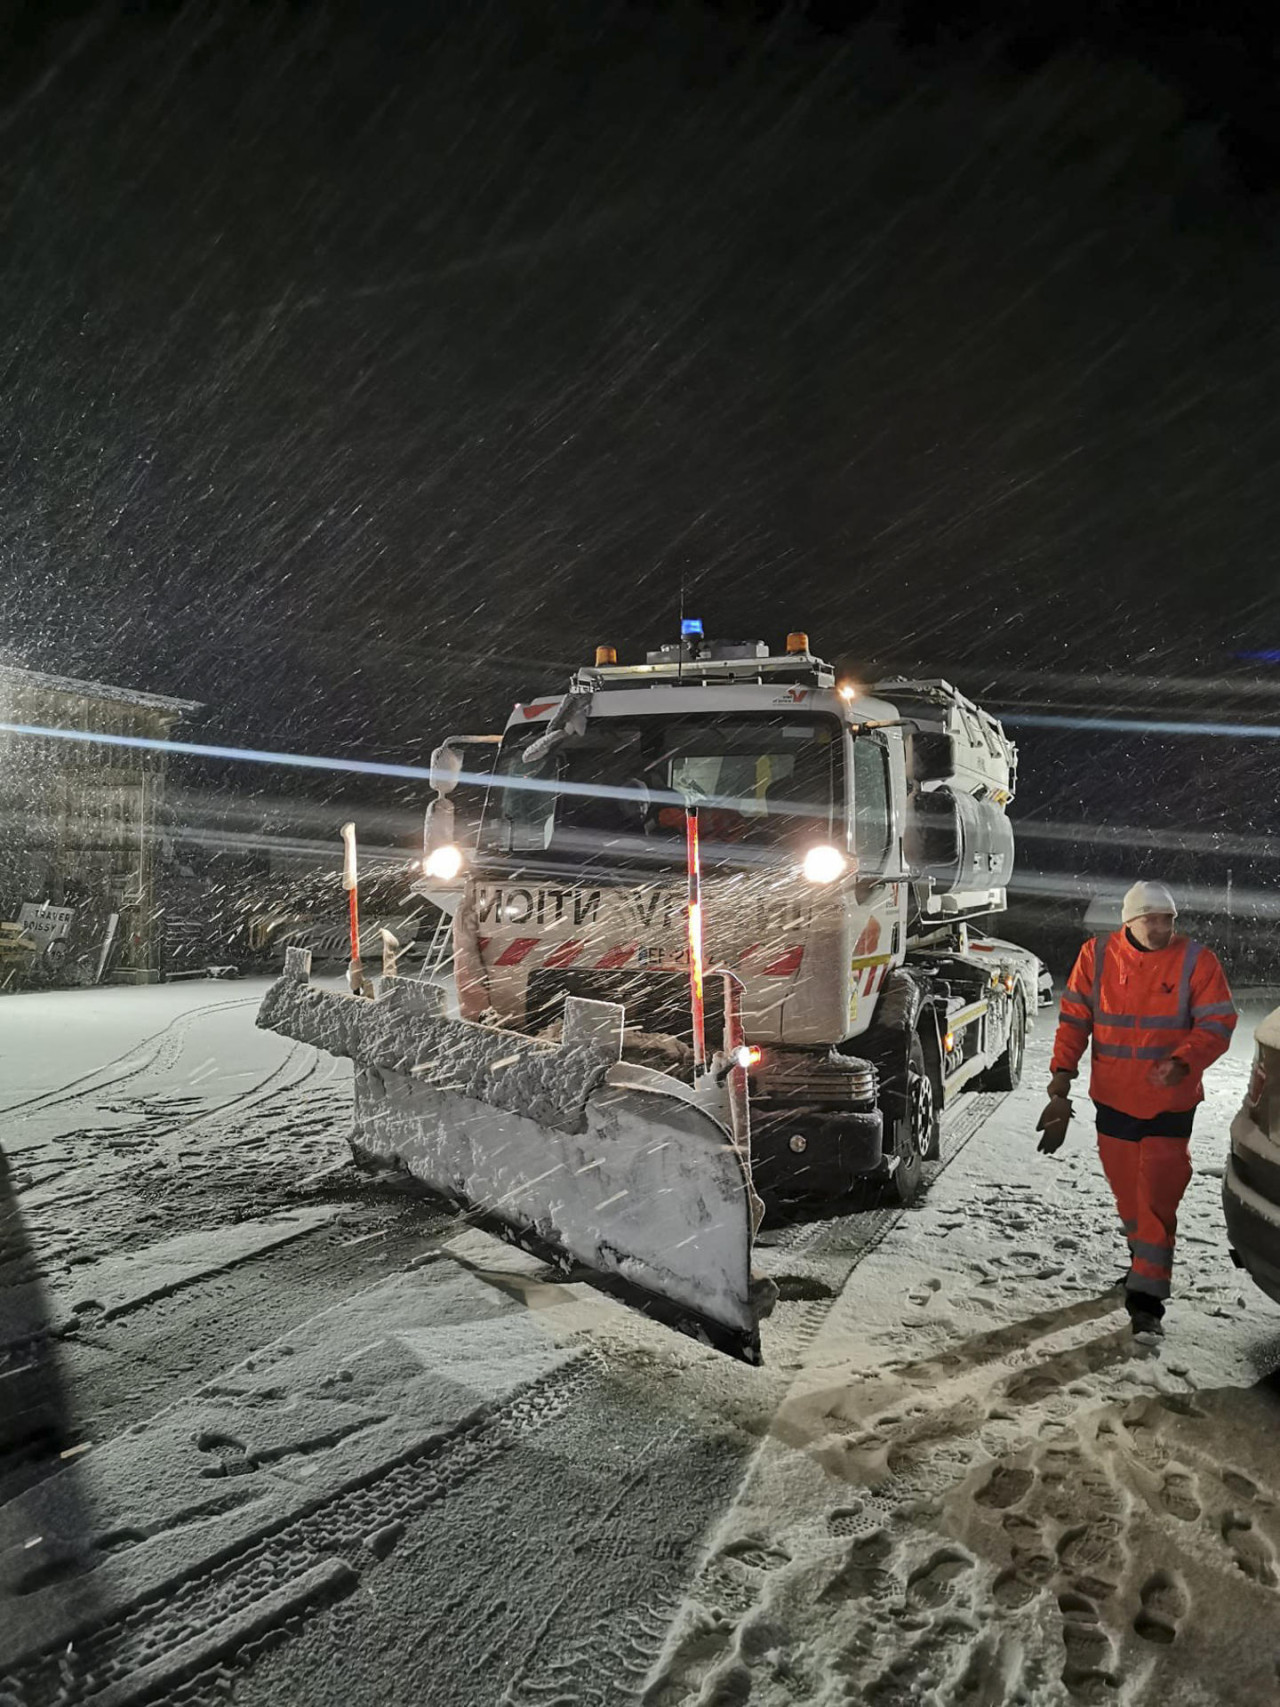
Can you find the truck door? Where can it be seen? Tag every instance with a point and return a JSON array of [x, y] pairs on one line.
[[876, 929]]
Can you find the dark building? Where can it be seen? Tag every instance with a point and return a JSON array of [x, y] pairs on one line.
[[78, 828]]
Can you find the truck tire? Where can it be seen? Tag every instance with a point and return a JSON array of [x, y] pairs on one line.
[[1005, 1073], [896, 1010], [914, 1131], [928, 1039]]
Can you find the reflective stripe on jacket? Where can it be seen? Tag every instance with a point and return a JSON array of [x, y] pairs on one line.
[[1136, 1007]]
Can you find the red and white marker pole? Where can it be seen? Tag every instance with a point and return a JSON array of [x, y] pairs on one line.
[[695, 942], [350, 882]]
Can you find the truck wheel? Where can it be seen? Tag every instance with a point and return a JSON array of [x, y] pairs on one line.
[[934, 1137], [914, 1132], [933, 1067], [1005, 1074]]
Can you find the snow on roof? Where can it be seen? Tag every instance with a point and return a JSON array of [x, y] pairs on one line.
[[20, 676]]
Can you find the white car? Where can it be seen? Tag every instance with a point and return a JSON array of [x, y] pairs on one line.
[[1033, 969], [1251, 1185]]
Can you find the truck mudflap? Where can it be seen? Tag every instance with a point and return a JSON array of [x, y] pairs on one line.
[[623, 1175]]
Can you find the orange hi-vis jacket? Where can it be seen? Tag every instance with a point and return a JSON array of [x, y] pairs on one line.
[[1138, 1006]]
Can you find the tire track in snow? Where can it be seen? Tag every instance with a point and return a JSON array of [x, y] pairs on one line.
[[262, 1091], [843, 1243], [824, 1253], [603, 1662], [76, 1088], [833, 1250], [119, 1368], [202, 1617], [611, 1661], [116, 1163], [540, 1681]]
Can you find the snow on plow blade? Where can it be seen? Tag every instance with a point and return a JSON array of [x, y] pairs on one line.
[[562, 1148]]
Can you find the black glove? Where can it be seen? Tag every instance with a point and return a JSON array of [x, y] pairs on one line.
[[1053, 1123]]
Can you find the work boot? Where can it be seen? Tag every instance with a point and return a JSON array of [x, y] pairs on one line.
[[1146, 1316]]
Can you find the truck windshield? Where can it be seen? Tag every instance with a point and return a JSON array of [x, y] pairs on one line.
[[763, 784]]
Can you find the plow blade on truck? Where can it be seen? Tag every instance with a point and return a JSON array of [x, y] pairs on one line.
[[621, 1175]]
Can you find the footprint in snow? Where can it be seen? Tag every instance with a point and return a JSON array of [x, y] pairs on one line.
[[1028, 1538], [1082, 1500], [1032, 1386], [1023, 1532], [1019, 1584], [1165, 1604], [931, 1585], [1060, 1462], [849, 1520], [1094, 1548], [866, 1572], [1089, 1672], [230, 1456], [1006, 1485], [916, 1672], [1146, 1447], [1178, 1496], [1242, 1486], [988, 1679], [1251, 1550], [757, 1553]]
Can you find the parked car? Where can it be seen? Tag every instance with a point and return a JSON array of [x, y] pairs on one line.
[[1251, 1185], [1043, 976]]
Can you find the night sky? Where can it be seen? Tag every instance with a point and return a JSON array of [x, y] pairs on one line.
[[364, 365]]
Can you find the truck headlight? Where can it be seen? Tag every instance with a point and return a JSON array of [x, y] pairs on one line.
[[823, 864], [443, 863]]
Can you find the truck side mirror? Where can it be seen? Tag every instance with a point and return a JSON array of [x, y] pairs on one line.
[[446, 768]]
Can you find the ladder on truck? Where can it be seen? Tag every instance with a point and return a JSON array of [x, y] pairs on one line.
[[440, 949]]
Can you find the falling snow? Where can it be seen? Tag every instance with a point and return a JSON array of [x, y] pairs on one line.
[[363, 369]]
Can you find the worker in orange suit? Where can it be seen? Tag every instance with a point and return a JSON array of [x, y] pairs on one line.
[[1156, 1010]]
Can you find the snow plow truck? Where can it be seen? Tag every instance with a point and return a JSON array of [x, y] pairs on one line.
[[708, 944]]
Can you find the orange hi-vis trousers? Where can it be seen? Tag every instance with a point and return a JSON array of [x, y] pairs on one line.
[[1148, 1177]]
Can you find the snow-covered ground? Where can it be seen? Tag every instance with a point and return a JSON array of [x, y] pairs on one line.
[[280, 1433], [979, 1490], [158, 1034]]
